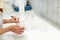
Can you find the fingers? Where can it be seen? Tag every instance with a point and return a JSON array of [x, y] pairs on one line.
[[16, 29], [16, 20], [13, 17], [19, 31], [21, 28]]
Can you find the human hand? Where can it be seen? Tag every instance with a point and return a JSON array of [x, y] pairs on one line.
[[16, 29], [14, 19]]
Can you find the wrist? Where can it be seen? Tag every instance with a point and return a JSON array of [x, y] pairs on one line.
[[3, 30], [6, 29], [9, 28]]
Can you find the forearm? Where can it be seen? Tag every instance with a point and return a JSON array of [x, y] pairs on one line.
[[4, 30], [6, 21]]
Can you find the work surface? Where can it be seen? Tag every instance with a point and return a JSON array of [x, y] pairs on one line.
[[36, 29]]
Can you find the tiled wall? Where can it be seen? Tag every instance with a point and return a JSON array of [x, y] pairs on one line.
[[49, 9]]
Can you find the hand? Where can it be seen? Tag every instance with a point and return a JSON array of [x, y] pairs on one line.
[[16, 29], [14, 19]]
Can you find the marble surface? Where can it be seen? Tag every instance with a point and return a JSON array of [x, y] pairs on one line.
[[36, 28]]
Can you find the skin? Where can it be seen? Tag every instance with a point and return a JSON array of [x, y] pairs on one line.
[[14, 28]]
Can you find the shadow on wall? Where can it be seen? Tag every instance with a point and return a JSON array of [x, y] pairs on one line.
[[50, 22], [49, 9]]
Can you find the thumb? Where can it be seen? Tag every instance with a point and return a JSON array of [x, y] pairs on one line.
[[13, 17]]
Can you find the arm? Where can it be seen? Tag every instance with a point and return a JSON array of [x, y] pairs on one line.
[[4, 30], [12, 20], [13, 28], [6, 21]]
